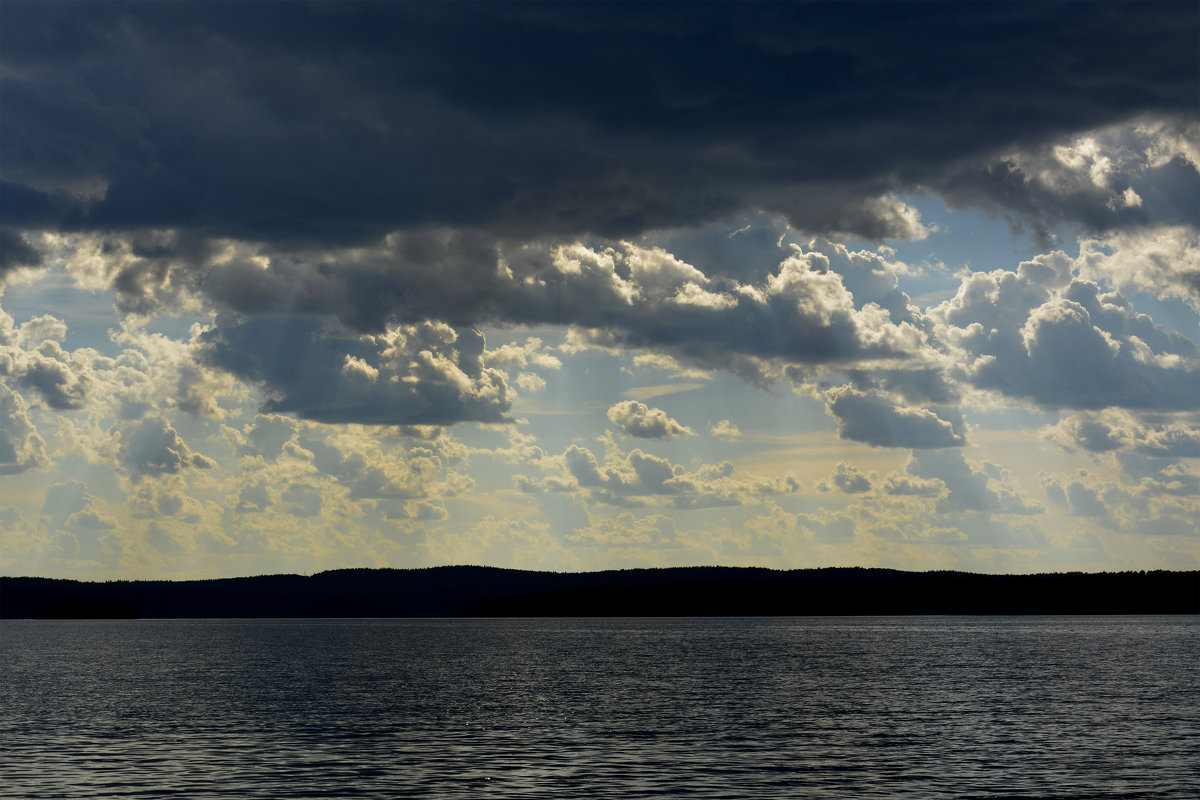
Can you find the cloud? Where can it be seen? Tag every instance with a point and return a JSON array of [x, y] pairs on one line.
[[970, 489], [425, 374], [1090, 432], [265, 436], [1084, 501], [531, 382], [801, 313], [151, 447], [60, 379], [423, 129], [1030, 334], [1152, 484], [15, 253], [1172, 442], [726, 430], [253, 497], [531, 353], [847, 478], [21, 448], [1113, 429], [626, 528], [875, 420], [70, 508], [639, 420], [1116, 178], [301, 500], [148, 372], [907, 486], [1163, 261], [65, 498], [683, 192], [377, 464], [916, 385], [1080, 499], [637, 478]]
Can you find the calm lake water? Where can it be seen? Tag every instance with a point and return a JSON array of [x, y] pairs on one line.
[[926, 707]]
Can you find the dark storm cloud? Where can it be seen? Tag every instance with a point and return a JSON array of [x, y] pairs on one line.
[[15, 251], [341, 122]]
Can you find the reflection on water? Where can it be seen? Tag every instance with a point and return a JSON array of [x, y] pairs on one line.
[[731, 708]]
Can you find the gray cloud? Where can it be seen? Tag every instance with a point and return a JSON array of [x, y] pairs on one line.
[[61, 381], [620, 297], [151, 447], [1091, 433], [1084, 501], [301, 500], [637, 478], [877, 421], [1030, 335], [63, 499], [33, 358], [970, 489], [639, 420], [917, 386], [1110, 430], [1054, 491], [1154, 476], [1177, 442], [266, 436], [253, 497], [849, 479], [426, 374]]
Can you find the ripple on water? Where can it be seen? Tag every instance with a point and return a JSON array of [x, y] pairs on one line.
[[731, 708]]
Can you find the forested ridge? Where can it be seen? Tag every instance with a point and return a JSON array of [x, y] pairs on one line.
[[687, 591]]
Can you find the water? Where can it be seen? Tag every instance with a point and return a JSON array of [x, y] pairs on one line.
[[1100, 707]]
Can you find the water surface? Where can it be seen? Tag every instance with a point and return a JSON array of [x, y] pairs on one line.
[[924, 707]]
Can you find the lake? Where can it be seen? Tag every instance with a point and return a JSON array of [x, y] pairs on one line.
[[920, 707]]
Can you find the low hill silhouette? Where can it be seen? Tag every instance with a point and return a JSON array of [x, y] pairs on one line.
[[687, 591]]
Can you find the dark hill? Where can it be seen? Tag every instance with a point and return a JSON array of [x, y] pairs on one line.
[[690, 591]]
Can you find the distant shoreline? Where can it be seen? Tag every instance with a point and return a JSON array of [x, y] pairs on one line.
[[669, 592]]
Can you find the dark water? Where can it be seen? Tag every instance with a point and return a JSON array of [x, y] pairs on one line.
[[1098, 707]]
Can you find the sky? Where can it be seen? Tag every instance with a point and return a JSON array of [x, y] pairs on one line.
[[292, 287]]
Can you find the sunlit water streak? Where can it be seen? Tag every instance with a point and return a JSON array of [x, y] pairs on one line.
[[1099, 707]]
